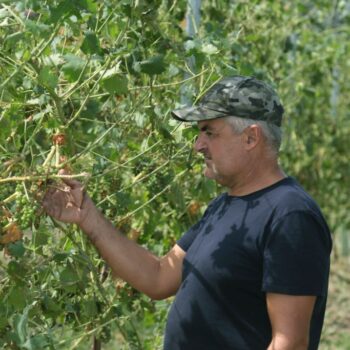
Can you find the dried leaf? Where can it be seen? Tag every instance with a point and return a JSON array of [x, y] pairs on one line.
[[12, 234]]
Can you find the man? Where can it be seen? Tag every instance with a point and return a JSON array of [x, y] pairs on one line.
[[253, 272]]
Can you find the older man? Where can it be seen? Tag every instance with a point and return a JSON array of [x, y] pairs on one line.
[[253, 272]]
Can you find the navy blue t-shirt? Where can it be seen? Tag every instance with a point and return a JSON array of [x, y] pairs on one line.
[[273, 240]]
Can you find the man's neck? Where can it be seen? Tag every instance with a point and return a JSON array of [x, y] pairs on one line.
[[257, 179]]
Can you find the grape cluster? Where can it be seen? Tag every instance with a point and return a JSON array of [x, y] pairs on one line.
[[25, 208], [6, 191]]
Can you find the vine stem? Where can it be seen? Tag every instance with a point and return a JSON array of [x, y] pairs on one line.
[[43, 177], [159, 85], [166, 188], [143, 177], [10, 198], [49, 157], [76, 115], [90, 146], [56, 99]]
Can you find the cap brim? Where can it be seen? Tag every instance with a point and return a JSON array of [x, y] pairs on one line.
[[196, 113]]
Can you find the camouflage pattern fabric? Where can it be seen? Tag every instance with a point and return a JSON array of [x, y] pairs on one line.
[[237, 96]]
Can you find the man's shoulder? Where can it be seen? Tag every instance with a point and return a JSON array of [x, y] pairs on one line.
[[290, 197], [279, 199], [215, 202], [291, 193], [286, 193]]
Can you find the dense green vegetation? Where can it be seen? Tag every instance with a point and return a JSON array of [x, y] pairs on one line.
[[88, 85]]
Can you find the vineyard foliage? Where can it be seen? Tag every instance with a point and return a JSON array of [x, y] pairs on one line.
[[88, 86]]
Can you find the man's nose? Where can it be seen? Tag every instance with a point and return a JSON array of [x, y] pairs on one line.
[[199, 144]]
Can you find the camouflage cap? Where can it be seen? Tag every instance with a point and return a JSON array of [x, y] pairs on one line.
[[237, 96]]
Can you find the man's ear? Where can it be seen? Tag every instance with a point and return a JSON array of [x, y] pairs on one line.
[[252, 136]]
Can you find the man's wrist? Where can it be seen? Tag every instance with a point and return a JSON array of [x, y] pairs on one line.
[[90, 218]]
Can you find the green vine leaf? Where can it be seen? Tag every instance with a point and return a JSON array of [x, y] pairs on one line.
[[38, 29], [91, 45], [152, 66], [16, 249], [47, 78], [20, 323], [116, 84], [73, 67]]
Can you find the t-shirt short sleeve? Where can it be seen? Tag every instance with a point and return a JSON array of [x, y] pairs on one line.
[[186, 240], [296, 255]]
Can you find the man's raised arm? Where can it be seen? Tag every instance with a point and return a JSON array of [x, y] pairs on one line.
[[158, 278]]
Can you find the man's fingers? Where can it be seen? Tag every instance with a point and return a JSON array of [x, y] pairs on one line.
[[64, 201], [70, 182], [74, 199], [74, 189], [51, 206]]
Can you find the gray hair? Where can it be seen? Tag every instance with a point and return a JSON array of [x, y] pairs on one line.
[[272, 133]]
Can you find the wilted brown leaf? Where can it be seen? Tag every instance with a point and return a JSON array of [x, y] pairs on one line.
[[12, 234]]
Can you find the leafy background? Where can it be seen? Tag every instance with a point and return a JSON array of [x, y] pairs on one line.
[[89, 86]]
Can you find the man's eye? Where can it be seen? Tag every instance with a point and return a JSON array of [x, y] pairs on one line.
[[209, 133]]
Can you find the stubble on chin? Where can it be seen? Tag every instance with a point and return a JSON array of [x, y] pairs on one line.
[[210, 171]]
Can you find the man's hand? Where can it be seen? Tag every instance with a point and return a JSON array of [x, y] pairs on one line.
[[68, 202], [158, 278]]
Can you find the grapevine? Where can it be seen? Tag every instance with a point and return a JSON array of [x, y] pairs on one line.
[[25, 206], [88, 86]]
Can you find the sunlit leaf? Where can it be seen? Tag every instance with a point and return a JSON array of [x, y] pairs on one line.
[[91, 5], [38, 29], [73, 67], [116, 84]]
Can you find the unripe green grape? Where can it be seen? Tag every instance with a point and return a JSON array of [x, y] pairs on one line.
[[25, 209]]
